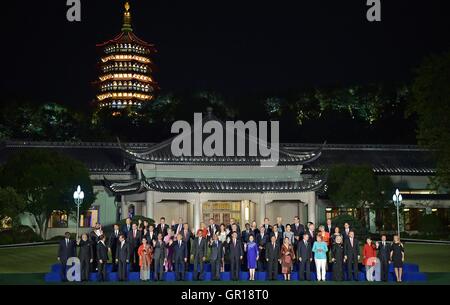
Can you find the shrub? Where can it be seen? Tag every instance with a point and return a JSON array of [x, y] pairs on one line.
[[19, 235], [431, 225], [355, 225]]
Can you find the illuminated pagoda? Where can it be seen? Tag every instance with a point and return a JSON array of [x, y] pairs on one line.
[[126, 68]]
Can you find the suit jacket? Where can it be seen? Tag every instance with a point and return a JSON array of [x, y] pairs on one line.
[[344, 234], [216, 251], [125, 230], [67, 250], [86, 250], [349, 251], [298, 231], [304, 251], [102, 252], [179, 252], [312, 238], [238, 228], [175, 227], [123, 252], [268, 229], [271, 252], [279, 237], [134, 242], [236, 251], [246, 234], [113, 241], [162, 230], [211, 229], [159, 250], [384, 252], [330, 230], [280, 228], [199, 250]]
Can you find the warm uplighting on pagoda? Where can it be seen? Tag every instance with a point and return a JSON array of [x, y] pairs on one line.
[[125, 79]]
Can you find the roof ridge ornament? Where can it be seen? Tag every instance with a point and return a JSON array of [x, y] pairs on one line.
[[127, 18]]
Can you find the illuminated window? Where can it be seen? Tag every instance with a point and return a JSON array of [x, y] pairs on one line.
[[58, 219]]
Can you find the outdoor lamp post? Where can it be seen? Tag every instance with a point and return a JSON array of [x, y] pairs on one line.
[[78, 197], [397, 199]]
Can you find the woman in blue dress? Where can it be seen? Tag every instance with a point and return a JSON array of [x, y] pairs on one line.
[[252, 256]]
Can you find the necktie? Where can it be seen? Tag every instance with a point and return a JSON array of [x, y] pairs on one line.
[[217, 243], [67, 242], [134, 233], [273, 244], [306, 243], [179, 243], [351, 241], [199, 241]]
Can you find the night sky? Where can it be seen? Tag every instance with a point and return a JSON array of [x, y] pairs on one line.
[[234, 47]]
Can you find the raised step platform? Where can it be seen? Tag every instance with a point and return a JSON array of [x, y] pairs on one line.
[[410, 274]]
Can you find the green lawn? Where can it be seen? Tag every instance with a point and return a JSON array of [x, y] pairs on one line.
[[28, 265]]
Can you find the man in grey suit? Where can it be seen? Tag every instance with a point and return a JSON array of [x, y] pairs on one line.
[[304, 255], [159, 257], [122, 257], [180, 257], [216, 257], [199, 248]]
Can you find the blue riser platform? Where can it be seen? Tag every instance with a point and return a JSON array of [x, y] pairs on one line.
[[226, 276]]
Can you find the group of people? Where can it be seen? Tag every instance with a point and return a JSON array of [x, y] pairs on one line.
[[271, 248]]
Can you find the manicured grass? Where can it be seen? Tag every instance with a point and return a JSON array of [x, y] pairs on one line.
[[28, 265], [430, 258]]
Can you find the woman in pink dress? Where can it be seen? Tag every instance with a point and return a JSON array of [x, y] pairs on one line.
[[168, 240]]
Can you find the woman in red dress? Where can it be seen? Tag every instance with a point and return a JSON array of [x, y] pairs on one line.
[[370, 255]]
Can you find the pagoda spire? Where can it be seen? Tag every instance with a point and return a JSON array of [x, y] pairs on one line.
[[127, 18]]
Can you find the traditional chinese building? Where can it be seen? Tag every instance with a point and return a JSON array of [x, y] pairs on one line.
[[125, 70]]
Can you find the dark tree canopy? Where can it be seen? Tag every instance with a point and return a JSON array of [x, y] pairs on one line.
[[47, 180], [431, 104]]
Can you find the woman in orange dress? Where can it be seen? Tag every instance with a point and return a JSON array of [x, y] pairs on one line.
[[325, 235], [145, 252], [287, 259]]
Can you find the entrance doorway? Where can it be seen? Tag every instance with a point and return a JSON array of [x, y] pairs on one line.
[[221, 211]]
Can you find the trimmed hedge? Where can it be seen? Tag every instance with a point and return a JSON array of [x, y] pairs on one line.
[[19, 235]]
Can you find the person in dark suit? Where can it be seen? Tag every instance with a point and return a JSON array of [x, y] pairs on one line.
[[94, 236], [246, 233], [384, 250], [199, 248], [162, 227], [126, 227], [159, 257], [187, 238], [304, 255], [298, 230], [180, 257], [67, 248], [230, 226], [112, 245], [277, 234], [346, 231], [134, 241], [151, 234], [267, 226], [213, 228], [311, 232], [102, 256], [235, 255], [178, 227], [329, 227], [85, 255], [122, 257], [272, 258], [216, 257], [261, 240], [351, 255]]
